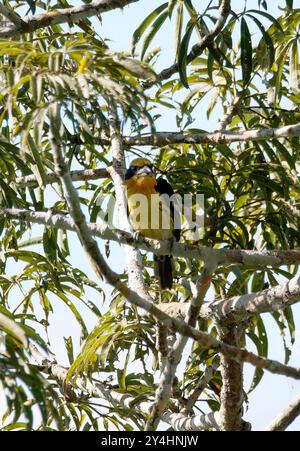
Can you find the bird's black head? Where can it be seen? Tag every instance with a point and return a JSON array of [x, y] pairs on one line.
[[141, 167]]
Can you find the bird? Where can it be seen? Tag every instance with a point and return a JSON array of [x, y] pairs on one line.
[[140, 179]]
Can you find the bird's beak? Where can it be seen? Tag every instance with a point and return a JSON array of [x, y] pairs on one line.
[[144, 172]]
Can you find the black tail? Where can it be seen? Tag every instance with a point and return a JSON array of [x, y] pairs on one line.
[[163, 270]]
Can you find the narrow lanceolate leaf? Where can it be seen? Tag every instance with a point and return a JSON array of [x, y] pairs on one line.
[[269, 45], [267, 16], [9, 326], [178, 28], [38, 168], [246, 52], [182, 56], [32, 6], [171, 7], [295, 67], [153, 31], [280, 61], [145, 24], [290, 5]]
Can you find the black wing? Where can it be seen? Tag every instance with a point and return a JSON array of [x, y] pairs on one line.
[[164, 187]]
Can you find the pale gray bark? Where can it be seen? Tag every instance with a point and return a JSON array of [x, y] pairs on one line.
[[164, 389], [85, 175], [230, 414], [59, 16], [161, 139], [11, 15], [240, 308], [82, 387], [218, 256], [287, 417]]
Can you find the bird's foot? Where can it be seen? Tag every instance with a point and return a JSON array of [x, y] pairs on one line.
[[136, 235]]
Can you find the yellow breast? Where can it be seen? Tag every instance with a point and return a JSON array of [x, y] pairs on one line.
[[149, 213]]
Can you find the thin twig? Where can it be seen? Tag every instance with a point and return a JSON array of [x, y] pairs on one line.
[[198, 48], [165, 386]]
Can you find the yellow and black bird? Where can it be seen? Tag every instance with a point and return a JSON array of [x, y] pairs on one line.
[[141, 180]]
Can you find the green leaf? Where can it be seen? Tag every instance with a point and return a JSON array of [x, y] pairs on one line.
[[122, 373], [290, 5], [267, 40], [38, 168], [145, 24], [246, 52], [50, 243], [295, 67], [258, 282], [14, 427], [70, 350], [153, 31], [289, 317], [171, 7], [182, 55], [281, 61], [13, 329], [269, 17], [32, 6], [178, 28]]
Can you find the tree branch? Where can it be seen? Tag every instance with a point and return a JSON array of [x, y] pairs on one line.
[[181, 422], [59, 16], [177, 421], [161, 139], [77, 176], [197, 49], [11, 15], [242, 307], [207, 376], [101, 268], [164, 389], [226, 119], [230, 414], [283, 421], [206, 254]]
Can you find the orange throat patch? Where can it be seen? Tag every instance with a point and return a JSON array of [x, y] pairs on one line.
[[141, 185]]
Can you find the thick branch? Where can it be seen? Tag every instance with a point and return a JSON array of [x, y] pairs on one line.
[[59, 16], [242, 307], [206, 254], [283, 421], [181, 422], [230, 415], [198, 48], [161, 139]]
